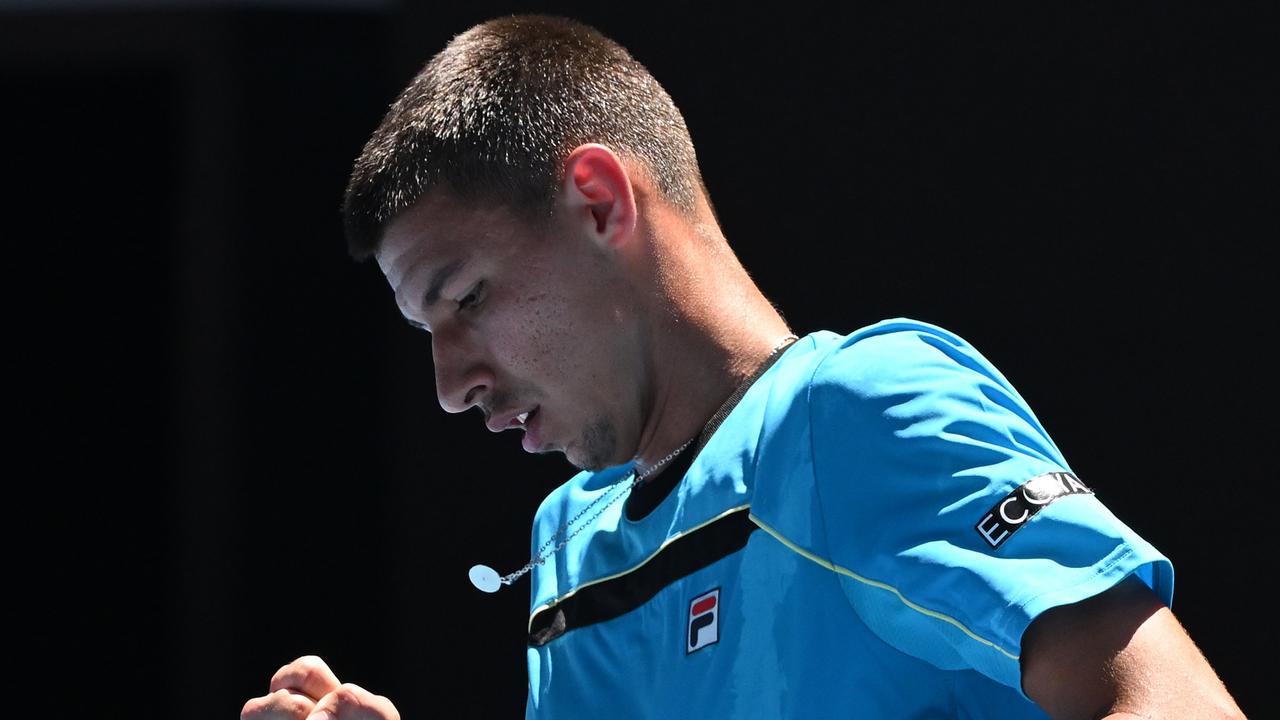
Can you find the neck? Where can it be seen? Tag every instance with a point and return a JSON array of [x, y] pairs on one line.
[[713, 330]]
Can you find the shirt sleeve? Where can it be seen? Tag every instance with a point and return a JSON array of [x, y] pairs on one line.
[[948, 513]]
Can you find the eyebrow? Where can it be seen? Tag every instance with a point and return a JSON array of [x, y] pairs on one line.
[[436, 284], [441, 276]]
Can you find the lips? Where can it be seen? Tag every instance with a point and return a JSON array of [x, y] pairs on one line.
[[532, 440], [528, 420], [510, 419]]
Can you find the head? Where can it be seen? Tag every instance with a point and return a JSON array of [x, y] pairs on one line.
[[494, 114], [500, 197]]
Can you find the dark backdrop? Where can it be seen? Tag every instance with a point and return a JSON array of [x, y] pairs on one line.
[[230, 450]]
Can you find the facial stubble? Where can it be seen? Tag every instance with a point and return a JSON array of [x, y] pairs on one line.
[[599, 442]]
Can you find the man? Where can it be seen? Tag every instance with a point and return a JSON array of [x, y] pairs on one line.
[[868, 525]]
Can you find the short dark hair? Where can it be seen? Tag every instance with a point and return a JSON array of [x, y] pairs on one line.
[[494, 114]]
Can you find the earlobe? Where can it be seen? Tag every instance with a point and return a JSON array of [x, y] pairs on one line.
[[597, 191]]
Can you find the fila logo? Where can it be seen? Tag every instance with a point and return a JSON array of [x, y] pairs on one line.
[[1011, 513], [704, 621]]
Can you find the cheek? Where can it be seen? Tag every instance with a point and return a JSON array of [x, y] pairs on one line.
[[566, 336], [538, 337]]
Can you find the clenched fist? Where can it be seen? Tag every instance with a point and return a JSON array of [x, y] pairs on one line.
[[306, 689]]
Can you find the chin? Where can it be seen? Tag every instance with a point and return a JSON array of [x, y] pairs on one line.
[[590, 464], [597, 448]]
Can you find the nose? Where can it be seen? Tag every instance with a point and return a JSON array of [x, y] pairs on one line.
[[464, 378]]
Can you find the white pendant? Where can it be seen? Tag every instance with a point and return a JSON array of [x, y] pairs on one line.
[[485, 578]]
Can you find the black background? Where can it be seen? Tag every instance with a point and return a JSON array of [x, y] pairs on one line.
[[229, 449]]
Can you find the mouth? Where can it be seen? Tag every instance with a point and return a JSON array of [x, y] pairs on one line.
[[521, 420], [529, 422]]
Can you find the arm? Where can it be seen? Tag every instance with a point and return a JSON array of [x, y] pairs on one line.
[[1120, 654]]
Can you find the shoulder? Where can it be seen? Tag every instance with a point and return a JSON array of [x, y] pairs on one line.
[[904, 364], [908, 394], [871, 379], [874, 359]]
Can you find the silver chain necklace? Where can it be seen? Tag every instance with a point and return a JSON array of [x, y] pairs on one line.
[[487, 579]]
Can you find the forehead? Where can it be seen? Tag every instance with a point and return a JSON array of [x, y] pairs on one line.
[[438, 229]]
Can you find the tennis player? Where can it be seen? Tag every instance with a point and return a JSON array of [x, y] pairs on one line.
[[864, 523]]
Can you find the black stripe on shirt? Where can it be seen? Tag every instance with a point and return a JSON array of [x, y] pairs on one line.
[[617, 596]]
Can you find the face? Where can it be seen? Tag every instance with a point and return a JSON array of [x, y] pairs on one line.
[[535, 329]]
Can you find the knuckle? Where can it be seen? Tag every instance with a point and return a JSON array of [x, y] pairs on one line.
[[283, 672], [311, 663], [250, 708], [348, 700], [279, 704], [302, 672], [348, 696], [291, 705]]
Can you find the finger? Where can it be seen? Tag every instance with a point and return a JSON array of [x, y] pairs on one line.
[[308, 675], [352, 702], [279, 705]]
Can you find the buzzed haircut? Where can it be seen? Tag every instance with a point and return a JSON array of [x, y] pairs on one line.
[[494, 114]]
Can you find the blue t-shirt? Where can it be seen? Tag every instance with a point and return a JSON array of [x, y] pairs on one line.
[[867, 534]]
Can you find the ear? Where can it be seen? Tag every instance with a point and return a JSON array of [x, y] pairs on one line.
[[598, 194]]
